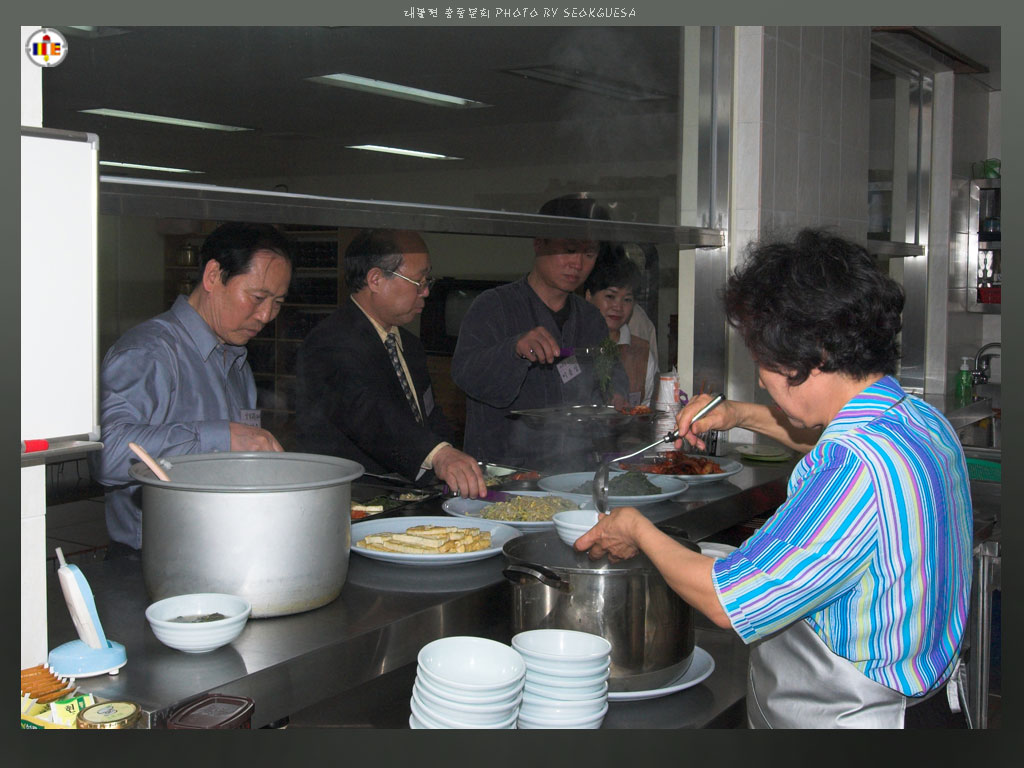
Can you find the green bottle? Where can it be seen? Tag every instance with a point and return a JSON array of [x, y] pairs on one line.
[[964, 382]]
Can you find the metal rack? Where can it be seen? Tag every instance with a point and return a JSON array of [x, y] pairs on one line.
[[984, 255]]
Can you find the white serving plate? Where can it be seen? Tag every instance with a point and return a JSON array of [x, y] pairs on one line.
[[729, 468], [500, 533], [562, 485], [699, 670], [763, 452], [471, 509]]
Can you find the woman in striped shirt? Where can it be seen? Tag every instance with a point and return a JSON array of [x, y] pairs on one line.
[[854, 595]]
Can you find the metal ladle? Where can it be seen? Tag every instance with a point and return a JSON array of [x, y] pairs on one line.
[[601, 475]]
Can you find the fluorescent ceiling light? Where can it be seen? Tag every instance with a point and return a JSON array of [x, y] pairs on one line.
[[161, 119], [587, 81], [384, 88], [398, 151], [146, 167]]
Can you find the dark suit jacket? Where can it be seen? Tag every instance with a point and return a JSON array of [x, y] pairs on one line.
[[349, 401]]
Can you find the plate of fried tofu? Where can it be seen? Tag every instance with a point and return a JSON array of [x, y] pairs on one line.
[[429, 540]]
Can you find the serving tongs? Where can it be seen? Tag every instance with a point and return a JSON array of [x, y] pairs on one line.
[[600, 490]]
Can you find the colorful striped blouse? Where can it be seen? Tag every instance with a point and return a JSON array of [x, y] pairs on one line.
[[873, 545]]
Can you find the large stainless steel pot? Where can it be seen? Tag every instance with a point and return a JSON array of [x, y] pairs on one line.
[[273, 528], [628, 603]]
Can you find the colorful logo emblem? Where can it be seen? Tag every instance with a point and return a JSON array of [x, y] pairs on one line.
[[46, 47]]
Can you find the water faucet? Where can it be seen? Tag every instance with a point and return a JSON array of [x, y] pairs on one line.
[[981, 365]]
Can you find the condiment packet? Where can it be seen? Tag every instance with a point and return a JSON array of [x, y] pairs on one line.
[[66, 710]]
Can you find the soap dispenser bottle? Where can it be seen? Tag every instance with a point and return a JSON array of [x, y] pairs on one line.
[[964, 382]]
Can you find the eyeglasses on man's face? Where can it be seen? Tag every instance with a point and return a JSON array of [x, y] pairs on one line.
[[422, 286]]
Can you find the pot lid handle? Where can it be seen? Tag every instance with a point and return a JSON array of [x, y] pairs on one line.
[[519, 572]]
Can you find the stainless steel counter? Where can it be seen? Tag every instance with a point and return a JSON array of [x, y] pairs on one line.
[[384, 615]]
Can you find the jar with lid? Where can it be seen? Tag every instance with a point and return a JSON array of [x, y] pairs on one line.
[[109, 715]]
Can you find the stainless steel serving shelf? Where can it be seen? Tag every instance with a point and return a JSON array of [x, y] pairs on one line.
[[144, 197]]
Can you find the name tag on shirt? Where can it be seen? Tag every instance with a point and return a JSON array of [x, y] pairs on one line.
[[251, 417], [428, 401], [569, 369]]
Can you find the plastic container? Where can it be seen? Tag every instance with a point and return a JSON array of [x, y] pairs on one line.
[[983, 469], [964, 382], [214, 711]]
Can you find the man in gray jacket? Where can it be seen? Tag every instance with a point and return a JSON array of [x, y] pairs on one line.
[[180, 383], [510, 354]]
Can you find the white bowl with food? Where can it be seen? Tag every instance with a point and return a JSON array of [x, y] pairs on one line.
[[433, 719], [568, 648], [199, 622], [474, 664], [573, 523], [474, 714]]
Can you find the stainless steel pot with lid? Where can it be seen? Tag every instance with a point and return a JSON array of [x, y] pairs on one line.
[[274, 528], [628, 603]]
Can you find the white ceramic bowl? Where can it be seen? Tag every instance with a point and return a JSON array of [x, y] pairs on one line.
[[573, 523], [200, 636], [480, 714], [580, 682], [565, 694], [594, 721], [557, 669], [472, 664], [543, 708], [563, 647], [466, 697], [433, 719]]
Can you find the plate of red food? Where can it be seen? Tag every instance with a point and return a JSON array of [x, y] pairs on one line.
[[696, 469]]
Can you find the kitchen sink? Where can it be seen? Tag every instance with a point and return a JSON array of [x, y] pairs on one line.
[[979, 423]]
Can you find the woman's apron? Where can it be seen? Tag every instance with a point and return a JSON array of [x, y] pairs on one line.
[[795, 681]]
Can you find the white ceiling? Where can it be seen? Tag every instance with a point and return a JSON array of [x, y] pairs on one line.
[[255, 77]]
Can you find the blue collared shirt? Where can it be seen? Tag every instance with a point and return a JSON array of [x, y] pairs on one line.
[[172, 387]]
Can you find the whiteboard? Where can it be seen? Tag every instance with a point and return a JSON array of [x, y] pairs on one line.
[[59, 339]]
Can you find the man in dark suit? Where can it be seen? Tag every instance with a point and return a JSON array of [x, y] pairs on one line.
[[363, 391]]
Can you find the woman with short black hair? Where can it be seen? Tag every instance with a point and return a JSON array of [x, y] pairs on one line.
[[854, 594]]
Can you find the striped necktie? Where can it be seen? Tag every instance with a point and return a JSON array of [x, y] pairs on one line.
[[392, 347]]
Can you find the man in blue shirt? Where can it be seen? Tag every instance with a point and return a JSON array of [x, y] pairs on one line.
[[179, 383]]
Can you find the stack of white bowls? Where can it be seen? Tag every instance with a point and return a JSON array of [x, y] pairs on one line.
[[467, 682], [566, 678]]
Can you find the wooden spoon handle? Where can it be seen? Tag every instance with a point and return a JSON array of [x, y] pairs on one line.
[[150, 462]]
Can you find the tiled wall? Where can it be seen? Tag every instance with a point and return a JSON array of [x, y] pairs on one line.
[[800, 147], [814, 128]]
